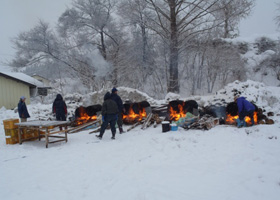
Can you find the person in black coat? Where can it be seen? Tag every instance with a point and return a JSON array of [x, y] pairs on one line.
[[119, 102], [22, 110], [109, 115], [59, 108]]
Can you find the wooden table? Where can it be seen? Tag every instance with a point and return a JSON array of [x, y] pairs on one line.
[[40, 126]]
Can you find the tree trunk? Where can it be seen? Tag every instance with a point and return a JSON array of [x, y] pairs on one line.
[[103, 48], [173, 65]]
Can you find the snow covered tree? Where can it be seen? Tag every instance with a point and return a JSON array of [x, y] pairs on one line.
[[90, 19], [36, 45], [230, 13], [140, 54], [176, 21], [277, 19]]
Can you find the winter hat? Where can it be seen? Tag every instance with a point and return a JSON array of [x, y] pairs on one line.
[[22, 97], [114, 90]]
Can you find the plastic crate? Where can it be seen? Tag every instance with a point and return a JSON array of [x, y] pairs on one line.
[[11, 136], [10, 140], [10, 123], [11, 133]]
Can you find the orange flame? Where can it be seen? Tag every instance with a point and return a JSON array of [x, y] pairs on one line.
[[175, 115], [84, 117], [232, 119], [132, 116]]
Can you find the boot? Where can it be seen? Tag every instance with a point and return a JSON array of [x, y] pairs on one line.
[[113, 136], [99, 137], [121, 130], [240, 123]]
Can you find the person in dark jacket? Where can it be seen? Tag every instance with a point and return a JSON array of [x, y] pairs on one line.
[[245, 108], [22, 110], [109, 113], [119, 102], [59, 108]]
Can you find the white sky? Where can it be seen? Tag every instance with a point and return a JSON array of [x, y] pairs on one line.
[[21, 15]]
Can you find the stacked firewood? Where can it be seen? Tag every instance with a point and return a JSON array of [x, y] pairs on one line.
[[206, 122], [151, 119]]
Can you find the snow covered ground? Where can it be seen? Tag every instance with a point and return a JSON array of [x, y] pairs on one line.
[[224, 163]]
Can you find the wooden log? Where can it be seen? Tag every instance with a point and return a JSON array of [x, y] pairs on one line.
[[133, 126], [155, 124], [77, 129], [148, 119], [96, 130]]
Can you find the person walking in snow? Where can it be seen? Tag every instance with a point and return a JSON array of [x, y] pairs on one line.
[[119, 102], [22, 109], [59, 108], [109, 113], [245, 108]]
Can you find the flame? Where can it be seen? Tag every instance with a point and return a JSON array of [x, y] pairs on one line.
[[232, 119], [132, 116], [175, 115], [84, 118]]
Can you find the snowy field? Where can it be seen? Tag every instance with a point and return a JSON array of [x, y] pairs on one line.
[[224, 163]]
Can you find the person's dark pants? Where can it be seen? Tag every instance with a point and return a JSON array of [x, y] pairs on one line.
[[109, 119], [120, 121], [60, 117], [245, 113]]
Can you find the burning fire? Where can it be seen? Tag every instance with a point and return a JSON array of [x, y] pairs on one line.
[[175, 115], [232, 119], [132, 116], [84, 117]]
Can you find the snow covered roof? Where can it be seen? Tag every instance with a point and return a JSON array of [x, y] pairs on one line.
[[23, 78]]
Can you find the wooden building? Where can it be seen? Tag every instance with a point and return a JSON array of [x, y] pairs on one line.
[[14, 85]]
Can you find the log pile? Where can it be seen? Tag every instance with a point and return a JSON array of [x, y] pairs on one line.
[[204, 123], [151, 119]]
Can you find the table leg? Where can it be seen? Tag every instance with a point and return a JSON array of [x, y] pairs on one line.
[[66, 131], [47, 137], [39, 134], [19, 135]]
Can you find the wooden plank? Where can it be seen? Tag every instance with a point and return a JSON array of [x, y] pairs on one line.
[[57, 141], [57, 132], [76, 129], [146, 122], [133, 126], [95, 130]]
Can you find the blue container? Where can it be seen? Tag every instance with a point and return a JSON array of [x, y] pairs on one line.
[[174, 127]]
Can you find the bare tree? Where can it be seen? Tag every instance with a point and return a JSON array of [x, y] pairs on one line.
[[40, 46], [224, 62], [140, 54], [177, 20], [277, 19], [89, 19], [230, 13]]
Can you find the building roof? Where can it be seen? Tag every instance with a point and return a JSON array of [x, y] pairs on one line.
[[22, 78]]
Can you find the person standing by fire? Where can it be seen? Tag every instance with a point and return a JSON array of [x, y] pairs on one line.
[[22, 110], [59, 108], [119, 102], [245, 108], [109, 113]]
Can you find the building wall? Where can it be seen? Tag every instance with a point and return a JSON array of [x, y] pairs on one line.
[[11, 91]]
